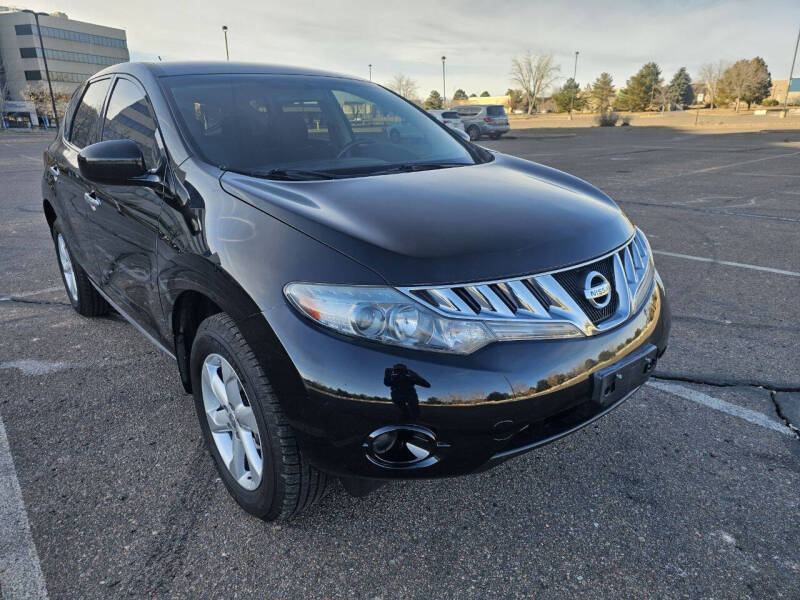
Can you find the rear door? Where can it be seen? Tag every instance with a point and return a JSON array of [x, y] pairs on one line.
[[73, 190], [124, 224]]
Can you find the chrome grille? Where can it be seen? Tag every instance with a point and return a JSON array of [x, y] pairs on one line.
[[556, 295]]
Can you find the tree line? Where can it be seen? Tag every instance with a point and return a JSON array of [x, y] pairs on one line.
[[746, 81]]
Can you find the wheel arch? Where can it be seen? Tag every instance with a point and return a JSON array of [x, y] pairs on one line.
[[198, 298], [49, 213]]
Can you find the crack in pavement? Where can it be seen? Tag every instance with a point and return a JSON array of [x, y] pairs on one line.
[[712, 380], [779, 411], [720, 382]]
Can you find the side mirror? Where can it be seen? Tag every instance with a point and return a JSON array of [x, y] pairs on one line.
[[116, 162], [462, 134]]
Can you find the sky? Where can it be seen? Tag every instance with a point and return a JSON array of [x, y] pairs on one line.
[[479, 37]]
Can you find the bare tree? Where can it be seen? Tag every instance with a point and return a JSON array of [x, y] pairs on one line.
[[405, 86], [533, 74], [710, 75]]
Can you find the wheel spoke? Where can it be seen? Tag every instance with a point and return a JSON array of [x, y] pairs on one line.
[[246, 418], [236, 463], [217, 386], [254, 461], [218, 421]]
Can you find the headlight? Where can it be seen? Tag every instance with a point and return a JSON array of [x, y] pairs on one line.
[[645, 283], [384, 315]]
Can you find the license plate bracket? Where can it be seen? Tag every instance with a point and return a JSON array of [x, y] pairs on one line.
[[616, 381]]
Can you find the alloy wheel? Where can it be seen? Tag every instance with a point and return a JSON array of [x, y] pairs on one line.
[[67, 269], [232, 422]]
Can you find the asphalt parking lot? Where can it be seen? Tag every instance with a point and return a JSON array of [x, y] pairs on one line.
[[689, 490]]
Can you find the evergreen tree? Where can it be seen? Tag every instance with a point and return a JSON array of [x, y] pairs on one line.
[[602, 92], [569, 95], [460, 95], [434, 101], [485, 94], [680, 88], [762, 82], [640, 90], [473, 95]]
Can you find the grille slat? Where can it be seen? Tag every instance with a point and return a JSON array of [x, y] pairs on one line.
[[558, 295]]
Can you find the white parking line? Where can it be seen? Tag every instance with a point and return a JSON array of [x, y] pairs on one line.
[[735, 410], [727, 263], [20, 571]]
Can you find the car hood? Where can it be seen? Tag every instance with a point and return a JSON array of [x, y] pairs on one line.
[[500, 219]]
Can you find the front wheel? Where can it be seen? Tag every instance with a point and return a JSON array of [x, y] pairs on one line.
[[474, 133], [244, 427]]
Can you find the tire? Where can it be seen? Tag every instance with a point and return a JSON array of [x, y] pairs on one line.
[[474, 133], [81, 293], [287, 484]]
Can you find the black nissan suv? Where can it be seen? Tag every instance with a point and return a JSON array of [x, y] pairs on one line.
[[342, 302]]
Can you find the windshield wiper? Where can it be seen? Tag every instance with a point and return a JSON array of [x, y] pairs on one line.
[[287, 174], [414, 167]]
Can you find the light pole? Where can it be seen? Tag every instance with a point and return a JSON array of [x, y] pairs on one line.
[[370, 71], [444, 89], [791, 72], [44, 57], [574, 75], [225, 33]]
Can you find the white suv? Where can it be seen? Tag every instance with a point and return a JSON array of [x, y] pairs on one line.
[[449, 118]]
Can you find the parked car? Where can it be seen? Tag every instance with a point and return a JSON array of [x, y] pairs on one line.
[[341, 304], [483, 119], [449, 118]]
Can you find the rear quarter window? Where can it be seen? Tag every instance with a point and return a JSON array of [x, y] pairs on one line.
[[495, 111]]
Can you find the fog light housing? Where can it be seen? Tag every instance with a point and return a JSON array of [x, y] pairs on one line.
[[402, 447]]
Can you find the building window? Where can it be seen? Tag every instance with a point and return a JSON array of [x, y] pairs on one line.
[[33, 75], [74, 36], [81, 57]]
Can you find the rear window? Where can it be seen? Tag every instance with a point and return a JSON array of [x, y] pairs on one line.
[[495, 111], [450, 115]]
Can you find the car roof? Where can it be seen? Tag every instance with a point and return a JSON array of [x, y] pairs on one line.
[[170, 69]]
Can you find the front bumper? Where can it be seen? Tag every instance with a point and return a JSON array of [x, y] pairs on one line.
[[484, 408]]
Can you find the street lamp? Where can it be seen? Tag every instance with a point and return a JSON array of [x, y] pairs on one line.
[[444, 89], [791, 72], [574, 75], [225, 33], [370, 71], [44, 57]]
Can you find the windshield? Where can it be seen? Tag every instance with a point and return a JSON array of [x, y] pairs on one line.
[[274, 125]]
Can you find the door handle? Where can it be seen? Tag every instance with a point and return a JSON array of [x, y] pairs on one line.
[[93, 200], [54, 172]]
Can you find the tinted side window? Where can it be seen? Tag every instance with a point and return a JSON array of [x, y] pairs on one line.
[[85, 124], [496, 111], [130, 116]]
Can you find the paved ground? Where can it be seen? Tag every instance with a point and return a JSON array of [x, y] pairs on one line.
[[690, 490]]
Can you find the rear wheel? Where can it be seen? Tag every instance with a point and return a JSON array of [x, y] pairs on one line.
[[245, 430], [80, 291], [474, 133]]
